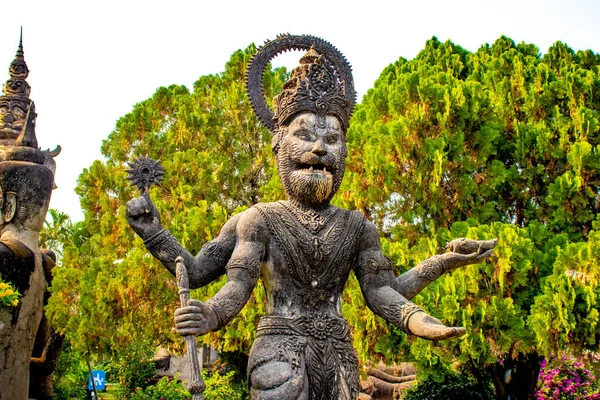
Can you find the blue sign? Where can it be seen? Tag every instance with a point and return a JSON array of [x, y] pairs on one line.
[[99, 377]]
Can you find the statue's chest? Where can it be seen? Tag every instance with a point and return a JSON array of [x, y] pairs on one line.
[[317, 250]]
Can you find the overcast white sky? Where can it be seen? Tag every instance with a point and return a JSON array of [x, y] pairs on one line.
[[90, 62]]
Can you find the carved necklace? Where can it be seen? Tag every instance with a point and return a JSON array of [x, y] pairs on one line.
[[311, 219]]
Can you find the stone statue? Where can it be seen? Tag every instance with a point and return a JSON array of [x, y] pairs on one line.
[[26, 183], [302, 248]]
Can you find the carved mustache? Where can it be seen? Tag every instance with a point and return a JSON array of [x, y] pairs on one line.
[[310, 158]]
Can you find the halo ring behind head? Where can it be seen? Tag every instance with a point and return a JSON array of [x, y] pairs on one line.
[[286, 42]]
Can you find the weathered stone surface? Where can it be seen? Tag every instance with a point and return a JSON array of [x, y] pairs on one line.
[[302, 248], [26, 183]]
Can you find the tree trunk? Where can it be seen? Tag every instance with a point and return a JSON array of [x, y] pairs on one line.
[[40, 379], [516, 379]]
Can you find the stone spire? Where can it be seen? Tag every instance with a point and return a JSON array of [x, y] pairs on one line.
[[17, 85], [17, 111]]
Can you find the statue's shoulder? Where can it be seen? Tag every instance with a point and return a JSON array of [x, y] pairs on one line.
[[267, 207], [17, 263], [252, 218], [15, 249]]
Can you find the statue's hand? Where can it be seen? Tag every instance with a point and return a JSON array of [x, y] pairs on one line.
[[143, 216], [466, 251], [195, 319], [469, 246]]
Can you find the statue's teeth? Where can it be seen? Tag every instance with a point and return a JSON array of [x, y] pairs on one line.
[[324, 170], [310, 169]]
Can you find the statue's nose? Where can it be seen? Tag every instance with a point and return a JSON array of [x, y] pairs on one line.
[[8, 118], [318, 148]]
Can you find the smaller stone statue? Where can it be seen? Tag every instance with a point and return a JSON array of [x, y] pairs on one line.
[[302, 248], [26, 183]]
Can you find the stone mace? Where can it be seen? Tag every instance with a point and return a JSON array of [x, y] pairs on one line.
[[196, 385], [144, 173]]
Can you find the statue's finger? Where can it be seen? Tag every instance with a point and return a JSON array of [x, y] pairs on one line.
[[190, 331], [487, 254], [194, 303], [188, 325], [188, 310]]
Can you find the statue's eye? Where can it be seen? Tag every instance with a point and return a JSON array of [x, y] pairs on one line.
[[3, 110], [17, 112], [303, 136], [331, 139]]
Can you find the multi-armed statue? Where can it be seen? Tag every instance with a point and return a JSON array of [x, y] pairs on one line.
[[26, 183], [303, 248]]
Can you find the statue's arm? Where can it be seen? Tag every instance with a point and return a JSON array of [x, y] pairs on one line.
[[203, 268], [375, 276], [463, 252], [243, 270]]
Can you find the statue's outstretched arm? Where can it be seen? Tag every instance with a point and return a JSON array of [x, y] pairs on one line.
[[375, 275], [462, 252], [202, 269], [243, 270]]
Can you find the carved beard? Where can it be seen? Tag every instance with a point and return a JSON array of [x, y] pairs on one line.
[[306, 188], [311, 188]]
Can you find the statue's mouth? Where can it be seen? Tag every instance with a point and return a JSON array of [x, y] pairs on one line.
[[8, 128], [320, 169]]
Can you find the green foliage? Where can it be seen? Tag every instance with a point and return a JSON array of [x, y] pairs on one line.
[[502, 142], [166, 388], [501, 134], [220, 386], [70, 377], [449, 387], [217, 387], [565, 315], [133, 368], [58, 232], [9, 296]]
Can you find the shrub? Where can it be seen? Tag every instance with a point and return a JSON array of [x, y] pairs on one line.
[[567, 378], [218, 387], [451, 387]]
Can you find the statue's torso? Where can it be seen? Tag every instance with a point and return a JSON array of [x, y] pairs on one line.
[[307, 262], [308, 258]]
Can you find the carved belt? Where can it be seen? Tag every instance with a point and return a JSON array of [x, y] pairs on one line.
[[318, 326]]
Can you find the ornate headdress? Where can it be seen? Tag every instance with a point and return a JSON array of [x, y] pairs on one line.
[[18, 140], [322, 84], [17, 111]]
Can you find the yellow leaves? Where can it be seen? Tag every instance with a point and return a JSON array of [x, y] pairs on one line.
[[9, 297]]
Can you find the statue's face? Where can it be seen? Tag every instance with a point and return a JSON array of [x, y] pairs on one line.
[[311, 158], [26, 189], [13, 114]]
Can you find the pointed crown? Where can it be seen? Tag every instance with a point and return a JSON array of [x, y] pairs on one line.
[[17, 85], [315, 87]]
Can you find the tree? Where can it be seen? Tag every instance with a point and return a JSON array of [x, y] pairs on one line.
[[110, 296], [501, 143]]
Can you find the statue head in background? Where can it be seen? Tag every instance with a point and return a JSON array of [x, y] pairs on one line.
[[26, 172], [17, 111], [310, 117]]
